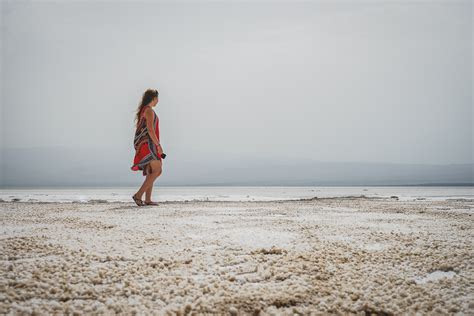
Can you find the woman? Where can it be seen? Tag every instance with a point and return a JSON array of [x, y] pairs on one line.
[[147, 146]]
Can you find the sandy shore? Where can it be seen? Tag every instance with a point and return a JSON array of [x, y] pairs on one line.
[[339, 255]]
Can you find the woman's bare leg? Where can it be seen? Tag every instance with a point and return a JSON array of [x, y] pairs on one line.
[[148, 192], [155, 166]]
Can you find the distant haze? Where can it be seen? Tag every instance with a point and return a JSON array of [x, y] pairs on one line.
[[251, 93]]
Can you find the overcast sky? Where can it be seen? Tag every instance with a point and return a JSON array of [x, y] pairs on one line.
[[324, 81]]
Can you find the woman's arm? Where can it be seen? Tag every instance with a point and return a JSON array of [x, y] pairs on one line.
[[151, 129]]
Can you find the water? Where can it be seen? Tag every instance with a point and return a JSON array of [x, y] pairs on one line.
[[242, 193]]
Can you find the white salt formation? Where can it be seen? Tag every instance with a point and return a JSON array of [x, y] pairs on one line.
[[338, 255]]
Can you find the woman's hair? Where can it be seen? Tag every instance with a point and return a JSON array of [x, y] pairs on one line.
[[147, 97]]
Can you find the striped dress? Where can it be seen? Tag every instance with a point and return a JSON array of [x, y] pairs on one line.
[[145, 149]]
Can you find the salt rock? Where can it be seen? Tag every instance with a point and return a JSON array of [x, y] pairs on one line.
[[233, 310]]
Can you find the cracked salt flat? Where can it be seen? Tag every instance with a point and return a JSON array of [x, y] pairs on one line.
[[116, 254]]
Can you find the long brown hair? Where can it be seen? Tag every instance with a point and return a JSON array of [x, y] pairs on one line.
[[147, 97]]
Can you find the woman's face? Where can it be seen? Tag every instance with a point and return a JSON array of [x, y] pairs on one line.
[[155, 100]]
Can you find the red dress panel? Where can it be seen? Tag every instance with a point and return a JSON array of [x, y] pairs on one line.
[[145, 149]]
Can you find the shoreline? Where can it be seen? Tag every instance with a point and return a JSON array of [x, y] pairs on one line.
[[104, 201], [348, 197]]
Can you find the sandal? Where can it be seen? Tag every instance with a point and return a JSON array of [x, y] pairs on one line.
[[151, 203], [138, 201]]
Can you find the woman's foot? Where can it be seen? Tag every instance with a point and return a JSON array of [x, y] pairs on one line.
[[138, 201], [150, 203]]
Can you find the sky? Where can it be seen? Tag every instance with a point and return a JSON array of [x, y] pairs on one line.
[[240, 82]]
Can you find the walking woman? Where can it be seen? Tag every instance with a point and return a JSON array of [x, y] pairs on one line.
[[148, 151]]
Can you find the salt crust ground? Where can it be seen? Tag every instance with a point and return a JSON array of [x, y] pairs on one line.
[[336, 255]]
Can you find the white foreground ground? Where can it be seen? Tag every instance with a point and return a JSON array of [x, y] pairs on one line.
[[339, 255]]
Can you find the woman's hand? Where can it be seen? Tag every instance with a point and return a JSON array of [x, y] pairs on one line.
[[159, 150]]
